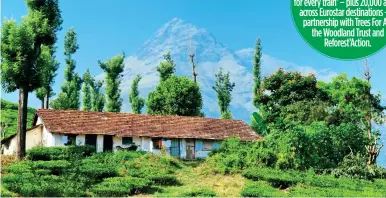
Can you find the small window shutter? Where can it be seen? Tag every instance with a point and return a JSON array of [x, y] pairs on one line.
[[127, 140], [64, 139], [199, 145], [216, 145]]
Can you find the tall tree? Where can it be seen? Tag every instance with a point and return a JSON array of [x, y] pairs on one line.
[[353, 102], [136, 101], [224, 88], [113, 68], [88, 82], [373, 113], [166, 67], [97, 97], [286, 90], [50, 66], [69, 97], [191, 56], [20, 49], [175, 96], [257, 72]]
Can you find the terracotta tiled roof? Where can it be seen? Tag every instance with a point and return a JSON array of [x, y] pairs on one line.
[[126, 124]]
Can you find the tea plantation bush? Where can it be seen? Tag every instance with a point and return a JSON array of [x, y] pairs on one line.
[[158, 169], [59, 153], [261, 189], [269, 181], [78, 171], [120, 187], [199, 193], [277, 178], [309, 191], [32, 185]]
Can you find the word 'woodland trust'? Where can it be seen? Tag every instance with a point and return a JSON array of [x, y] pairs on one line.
[[341, 24]]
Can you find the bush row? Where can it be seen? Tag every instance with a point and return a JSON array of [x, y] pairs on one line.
[[158, 169], [120, 187], [31, 185], [204, 192], [260, 189], [59, 153], [77, 171], [285, 179]]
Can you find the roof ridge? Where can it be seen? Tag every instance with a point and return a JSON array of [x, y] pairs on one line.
[[129, 113], [144, 125]]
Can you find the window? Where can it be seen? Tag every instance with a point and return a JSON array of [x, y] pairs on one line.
[[127, 140], [157, 143], [69, 140], [208, 145]]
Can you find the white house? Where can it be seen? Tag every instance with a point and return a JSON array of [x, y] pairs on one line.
[[180, 136]]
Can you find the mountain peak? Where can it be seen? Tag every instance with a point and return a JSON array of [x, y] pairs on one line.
[[175, 21], [179, 37]]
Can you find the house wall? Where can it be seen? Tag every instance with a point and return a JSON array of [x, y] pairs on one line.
[[183, 149], [10, 148], [117, 141], [99, 146], [34, 137], [146, 144], [201, 151], [48, 138], [42, 136]]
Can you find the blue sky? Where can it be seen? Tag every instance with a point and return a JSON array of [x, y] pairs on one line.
[[105, 28]]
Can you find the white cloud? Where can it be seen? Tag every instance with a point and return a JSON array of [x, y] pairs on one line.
[[246, 53]]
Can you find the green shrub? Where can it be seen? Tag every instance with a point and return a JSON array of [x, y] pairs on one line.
[[19, 168], [308, 191], [158, 169], [78, 152], [56, 167], [163, 179], [277, 178], [355, 167], [59, 153], [6, 193], [234, 156], [199, 193], [98, 171], [47, 153], [30, 185], [41, 172], [261, 189], [116, 157], [120, 187]]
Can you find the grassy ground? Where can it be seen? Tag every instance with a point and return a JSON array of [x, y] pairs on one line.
[[192, 178]]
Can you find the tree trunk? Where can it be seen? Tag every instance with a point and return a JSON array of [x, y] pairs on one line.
[[47, 101], [22, 122], [42, 103], [193, 68]]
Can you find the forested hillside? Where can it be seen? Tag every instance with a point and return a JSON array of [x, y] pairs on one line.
[[9, 117]]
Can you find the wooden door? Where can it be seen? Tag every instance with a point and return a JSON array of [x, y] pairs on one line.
[[175, 148], [190, 150], [107, 143]]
